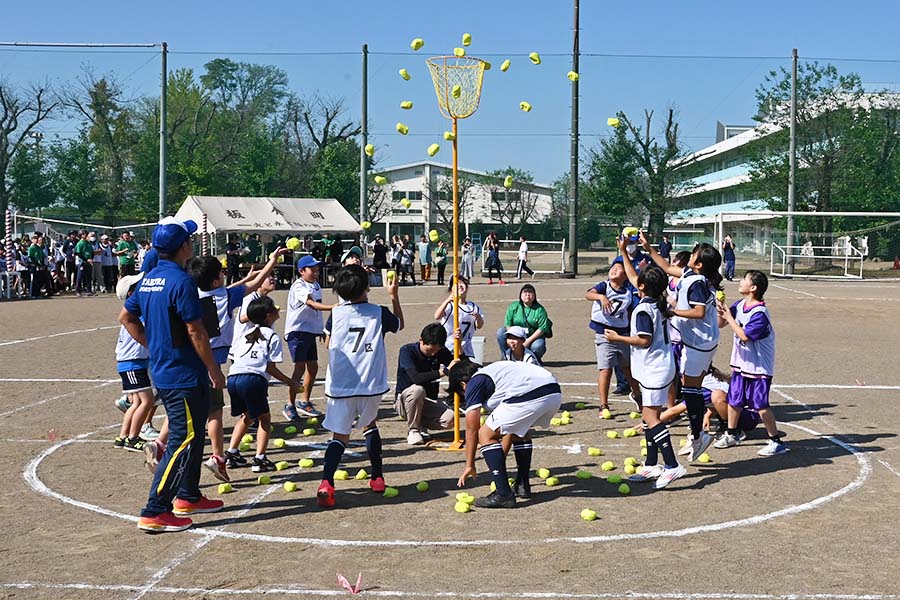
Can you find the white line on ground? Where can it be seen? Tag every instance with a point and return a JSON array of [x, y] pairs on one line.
[[294, 590], [865, 469], [46, 400], [48, 380], [62, 333], [887, 466], [157, 577], [787, 289]]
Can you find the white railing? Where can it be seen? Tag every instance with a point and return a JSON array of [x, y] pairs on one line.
[[541, 253]]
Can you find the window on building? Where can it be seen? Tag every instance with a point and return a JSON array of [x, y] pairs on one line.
[[414, 196]]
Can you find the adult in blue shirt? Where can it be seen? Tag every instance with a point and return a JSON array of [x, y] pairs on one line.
[[665, 248], [164, 315], [728, 257]]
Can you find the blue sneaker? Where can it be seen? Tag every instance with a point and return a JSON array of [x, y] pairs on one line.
[[290, 413]]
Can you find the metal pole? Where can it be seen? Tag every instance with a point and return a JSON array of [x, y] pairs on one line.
[[457, 442], [364, 139], [792, 181], [573, 158], [163, 116]]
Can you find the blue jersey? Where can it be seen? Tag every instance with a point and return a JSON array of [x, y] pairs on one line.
[[166, 301], [621, 301]]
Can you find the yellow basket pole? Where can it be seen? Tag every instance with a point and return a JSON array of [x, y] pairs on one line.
[[457, 438]]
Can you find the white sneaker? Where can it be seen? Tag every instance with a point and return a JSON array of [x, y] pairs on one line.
[[646, 473], [686, 449], [699, 446], [772, 448], [148, 433], [414, 438], [668, 476], [727, 441]]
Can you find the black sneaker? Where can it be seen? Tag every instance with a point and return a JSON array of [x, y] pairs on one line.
[[234, 459], [261, 465], [119, 442], [134, 445], [495, 500], [522, 489]]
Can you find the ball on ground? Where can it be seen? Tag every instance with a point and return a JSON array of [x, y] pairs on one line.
[[595, 452], [624, 489], [543, 473], [341, 475], [225, 488], [290, 486], [589, 515], [608, 466], [422, 486], [462, 507]]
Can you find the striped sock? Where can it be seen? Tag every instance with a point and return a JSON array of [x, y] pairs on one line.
[[693, 398], [496, 462], [333, 454], [652, 450], [373, 447], [523, 451], [661, 438]]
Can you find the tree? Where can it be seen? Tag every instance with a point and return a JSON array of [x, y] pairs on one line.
[[439, 198], [656, 162], [102, 103], [335, 174], [30, 175], [21, 111], [612, 183], [76, 178], [515, 206]]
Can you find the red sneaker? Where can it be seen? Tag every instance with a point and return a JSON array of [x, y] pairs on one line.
[[491, 282], [502, 282], [203, 505], [325, 494], [377, 485], [164, 523]]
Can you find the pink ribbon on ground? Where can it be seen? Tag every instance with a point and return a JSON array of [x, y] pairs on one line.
[[353, 589]]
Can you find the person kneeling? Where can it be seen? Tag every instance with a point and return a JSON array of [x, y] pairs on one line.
[[519, 396], [420, 368]]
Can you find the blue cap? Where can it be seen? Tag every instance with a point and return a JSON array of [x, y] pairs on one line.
[[307, 261], [151, 259], [170, 234]]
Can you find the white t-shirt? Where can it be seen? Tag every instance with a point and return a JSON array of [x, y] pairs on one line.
[[654, 366], [226, 300], [523, 251], [529, 357], [127, 348], [511, 382], [467, 315], [242, 329], [255, 357], [300, 316]]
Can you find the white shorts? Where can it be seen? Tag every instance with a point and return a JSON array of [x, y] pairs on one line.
[[654, 396], [695, 363], [713, 384], [519, 417], [340, 413]]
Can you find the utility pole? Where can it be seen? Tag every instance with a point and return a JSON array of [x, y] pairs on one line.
[[163, 115], [573, 158], [364, 139], [792, 175]]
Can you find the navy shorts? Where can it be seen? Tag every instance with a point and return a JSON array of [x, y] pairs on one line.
[[135, 380], [303, 346], [249, 394]]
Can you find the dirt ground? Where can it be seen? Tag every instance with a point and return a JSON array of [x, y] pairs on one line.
[[820, 520]]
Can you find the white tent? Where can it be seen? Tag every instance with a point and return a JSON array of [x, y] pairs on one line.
[[297, 216]]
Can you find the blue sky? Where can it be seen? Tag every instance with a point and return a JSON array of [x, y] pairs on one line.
[[702, 90]]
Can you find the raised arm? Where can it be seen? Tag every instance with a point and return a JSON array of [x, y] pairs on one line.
[[662, 263], [626, 262]]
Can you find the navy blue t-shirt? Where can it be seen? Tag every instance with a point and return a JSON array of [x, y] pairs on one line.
[[166, 300]]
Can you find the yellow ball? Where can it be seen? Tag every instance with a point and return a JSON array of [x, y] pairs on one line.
[[504, 65], [247, 439], [555, 421], [448, 135], [434, 236], [564, 420], [573, 76], [290, 486], [612, 121], [312, 421], [589, 515], [580, 405], [629, 433], [605, 414], [630, 469], [365, 225], [634, 415], [525, 106], [281, 465], [466, 39], [508, 181], [225, 488], [381, 179], [406, 104], [406, 203], [361, 474], [612, 434], [631, 461], [643, 452], [551, 481], [263, 480], [433, 149], [309, 431], [608, 466], [461, 507], [459, 52], [278, 442], [391, 275], [341, 475], [306, 463], [402, 129], [456, 91], [370, 150], [535, 58], [720, 296], [293, 243], [704, 458], [404, 74], [595, 452], [417, 44], [543, 473]]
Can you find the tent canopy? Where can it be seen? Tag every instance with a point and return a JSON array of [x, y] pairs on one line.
[[234, 214]]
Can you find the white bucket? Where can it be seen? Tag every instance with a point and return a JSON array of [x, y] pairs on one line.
[[478, 348]]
